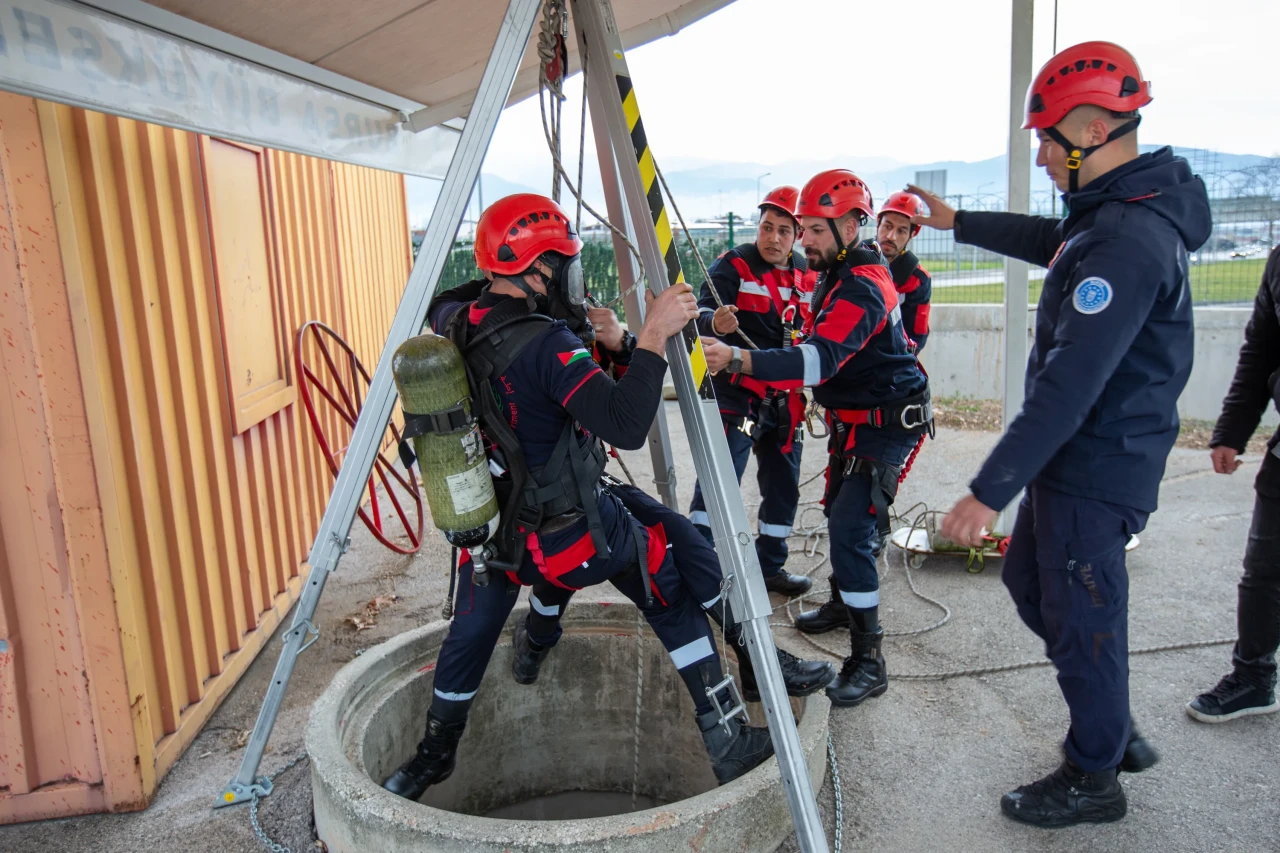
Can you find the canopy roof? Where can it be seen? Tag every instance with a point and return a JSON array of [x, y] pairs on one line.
[[377, 82]]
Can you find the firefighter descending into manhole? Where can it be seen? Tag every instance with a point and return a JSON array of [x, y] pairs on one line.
[[544, 406]]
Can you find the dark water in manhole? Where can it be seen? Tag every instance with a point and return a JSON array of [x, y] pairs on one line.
[[574, 805]]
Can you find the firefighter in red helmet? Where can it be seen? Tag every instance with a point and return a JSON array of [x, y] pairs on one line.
[[544, 407], [762, 291], [894, 230], [1112, 352], [859, 363]]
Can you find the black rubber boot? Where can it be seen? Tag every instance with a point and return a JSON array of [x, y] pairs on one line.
[[733, 748], [785, 583], [802, 677], [432, 764], [863, 675], [528, 656], [826, 618], [1066, 796], [1139, 754]]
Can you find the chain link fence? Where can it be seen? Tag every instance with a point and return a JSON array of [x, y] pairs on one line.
[[1226, 270]]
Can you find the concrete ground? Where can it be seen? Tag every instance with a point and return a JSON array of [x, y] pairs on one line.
[[922, 767]]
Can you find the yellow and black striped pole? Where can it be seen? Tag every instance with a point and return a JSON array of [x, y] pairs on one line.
[[618, 111], [658, 209]]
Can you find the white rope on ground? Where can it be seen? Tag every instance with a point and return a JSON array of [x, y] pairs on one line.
[[811, 536]]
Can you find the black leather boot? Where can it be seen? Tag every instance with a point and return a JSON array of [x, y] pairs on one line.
[[433, 762], [785, 583], [829, 616], [802, 677], [733, 748], [1067, 795], [528, 656], [863, 675]]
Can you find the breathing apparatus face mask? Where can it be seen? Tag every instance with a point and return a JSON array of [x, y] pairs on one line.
[[567, 295]]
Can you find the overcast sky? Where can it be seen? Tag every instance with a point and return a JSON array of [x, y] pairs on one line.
[[916, 81]]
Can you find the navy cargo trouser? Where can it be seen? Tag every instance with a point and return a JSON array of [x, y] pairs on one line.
[[1066, 573], [778, 475], [692, 558], [671, 610], [851, 516]]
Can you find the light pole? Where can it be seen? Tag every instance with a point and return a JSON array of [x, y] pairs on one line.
[[765, 175]]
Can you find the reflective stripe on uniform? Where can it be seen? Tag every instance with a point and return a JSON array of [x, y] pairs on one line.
[[542, 609], [691, 653], [812, 364], [861, 600], [777, 531], [700, 518], [456, 697]]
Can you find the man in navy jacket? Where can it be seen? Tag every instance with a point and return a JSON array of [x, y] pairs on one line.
[[1112, 353]]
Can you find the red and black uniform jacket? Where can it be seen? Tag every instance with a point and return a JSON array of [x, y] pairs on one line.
[[915, 288], [857, 356], [773, 306]]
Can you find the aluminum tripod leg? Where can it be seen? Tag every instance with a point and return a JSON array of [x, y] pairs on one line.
[[614, 107], [495, 86], [664, 468]]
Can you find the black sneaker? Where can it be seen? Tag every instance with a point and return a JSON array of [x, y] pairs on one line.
[[1067, 796], [1233, 697]]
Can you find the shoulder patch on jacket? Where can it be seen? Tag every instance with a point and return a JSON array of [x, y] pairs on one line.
[[1092, 295]]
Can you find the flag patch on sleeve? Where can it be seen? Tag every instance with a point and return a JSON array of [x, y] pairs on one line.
[[568, 358]]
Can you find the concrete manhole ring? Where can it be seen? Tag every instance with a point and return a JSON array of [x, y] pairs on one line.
[[534, 750]]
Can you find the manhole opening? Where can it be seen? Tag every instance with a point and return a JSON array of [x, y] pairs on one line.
[[565, 747], [575, 805]]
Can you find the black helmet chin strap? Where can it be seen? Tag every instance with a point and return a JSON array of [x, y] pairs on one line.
[[530, 295], [1077, 154]]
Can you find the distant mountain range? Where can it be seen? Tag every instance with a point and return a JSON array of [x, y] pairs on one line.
[[705, 189]]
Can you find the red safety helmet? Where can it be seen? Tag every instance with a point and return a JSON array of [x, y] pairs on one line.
[[514, 231], [908, 204], [783, 199], [1096, 72], [833, 193]]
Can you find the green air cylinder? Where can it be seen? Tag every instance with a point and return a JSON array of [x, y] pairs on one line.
[[432, 382]]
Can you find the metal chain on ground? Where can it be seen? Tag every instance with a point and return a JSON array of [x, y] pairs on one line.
[[263, 838], [839, 794], [697, 256], [635, 769]]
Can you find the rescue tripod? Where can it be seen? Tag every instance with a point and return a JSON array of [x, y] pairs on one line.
[[617, 118]]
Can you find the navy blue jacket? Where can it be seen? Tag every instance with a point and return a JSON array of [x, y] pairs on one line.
[[1113, 339], [556, 381]]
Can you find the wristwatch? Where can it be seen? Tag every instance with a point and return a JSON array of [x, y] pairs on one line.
[[735, 362]]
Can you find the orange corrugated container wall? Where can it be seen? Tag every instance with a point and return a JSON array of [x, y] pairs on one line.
[[160, 485]]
